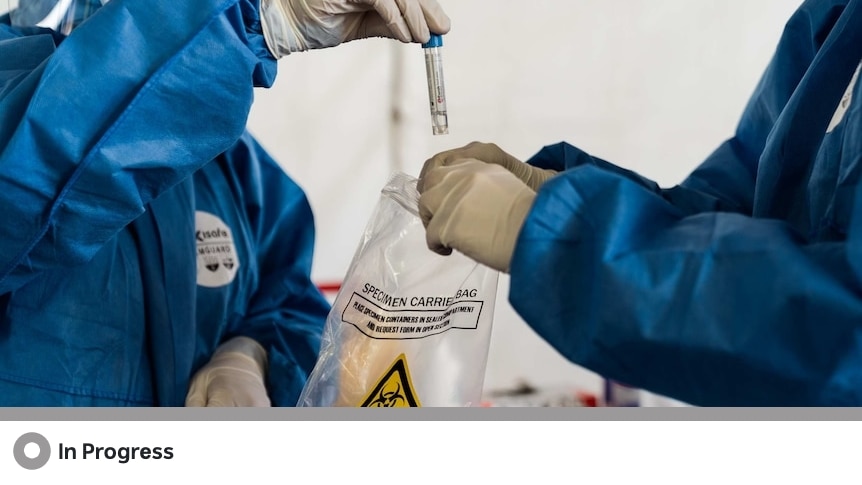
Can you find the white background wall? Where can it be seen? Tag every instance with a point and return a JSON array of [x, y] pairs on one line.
[[653, 86]]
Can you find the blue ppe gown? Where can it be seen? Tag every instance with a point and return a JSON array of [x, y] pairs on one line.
[[741, 286], [143, 225]]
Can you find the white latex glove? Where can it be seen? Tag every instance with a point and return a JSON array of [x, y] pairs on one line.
[[475, 207], [234, 377], [299, 25], [534, 177]]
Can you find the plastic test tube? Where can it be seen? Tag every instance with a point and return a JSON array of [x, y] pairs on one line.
[[436, 90]]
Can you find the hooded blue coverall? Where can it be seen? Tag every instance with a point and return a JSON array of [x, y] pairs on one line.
[[126, 175], [743, 284]]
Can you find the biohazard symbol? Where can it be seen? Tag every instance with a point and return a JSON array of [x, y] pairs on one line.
[[394, 389]]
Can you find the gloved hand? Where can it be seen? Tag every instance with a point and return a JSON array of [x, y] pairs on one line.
[[475, 207], [234, 377], [300, 25], [534, 177]]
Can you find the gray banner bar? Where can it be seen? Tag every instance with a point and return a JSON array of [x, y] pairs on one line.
[[431, 414]]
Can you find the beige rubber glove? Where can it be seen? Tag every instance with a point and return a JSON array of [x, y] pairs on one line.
[[475, 207], [300, 25], [234, 377], [534, 177]]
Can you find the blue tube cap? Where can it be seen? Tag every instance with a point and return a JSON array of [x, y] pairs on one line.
[[436, 40]]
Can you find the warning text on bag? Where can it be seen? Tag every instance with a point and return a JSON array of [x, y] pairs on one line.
[[409, 317]]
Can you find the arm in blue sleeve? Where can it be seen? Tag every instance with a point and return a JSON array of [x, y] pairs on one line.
[[716, 308], [681, 291], [287, 312], [134, 101]]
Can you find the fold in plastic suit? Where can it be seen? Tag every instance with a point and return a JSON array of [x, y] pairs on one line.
[[126, 257], [740, 286]]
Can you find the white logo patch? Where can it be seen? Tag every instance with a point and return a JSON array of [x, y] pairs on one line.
[[218, 260], [845, 103]]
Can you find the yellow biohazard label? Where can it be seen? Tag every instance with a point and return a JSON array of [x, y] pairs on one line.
[[394, 389]]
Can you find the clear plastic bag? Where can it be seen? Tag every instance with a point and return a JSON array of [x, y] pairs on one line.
[[409, 327]]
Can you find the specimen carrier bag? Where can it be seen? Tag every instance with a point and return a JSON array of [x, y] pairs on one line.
[[408, 327]]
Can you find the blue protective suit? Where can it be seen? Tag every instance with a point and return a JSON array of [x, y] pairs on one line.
[[740, 286], [144, 226]]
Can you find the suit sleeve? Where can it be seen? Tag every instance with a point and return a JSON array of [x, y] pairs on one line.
[[287, 312], [135, 100], [682, 291]]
